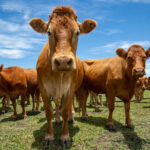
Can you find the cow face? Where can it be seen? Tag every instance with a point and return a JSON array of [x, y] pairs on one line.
[[135, 58], [63, 31]]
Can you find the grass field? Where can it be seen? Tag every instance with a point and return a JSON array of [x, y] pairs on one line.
[[28, 134]]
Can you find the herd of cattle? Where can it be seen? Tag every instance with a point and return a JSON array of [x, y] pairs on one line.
[[60, 75]]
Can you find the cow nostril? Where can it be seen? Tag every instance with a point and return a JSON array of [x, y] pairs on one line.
[[69, 62], [56, 62]]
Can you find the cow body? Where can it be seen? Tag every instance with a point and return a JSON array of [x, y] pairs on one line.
[[116, 77], [32, 87], [59, 71], [13, 84], [141, 85]]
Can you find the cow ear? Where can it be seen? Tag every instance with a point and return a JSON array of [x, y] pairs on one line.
[[148, 52], [39, 25], [121, 52], [148, 79], [87, 26], [1, 67]]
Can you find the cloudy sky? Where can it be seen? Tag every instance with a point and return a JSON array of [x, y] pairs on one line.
[[121, 23]]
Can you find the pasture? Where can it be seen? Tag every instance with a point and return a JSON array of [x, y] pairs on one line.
[[28, 134]]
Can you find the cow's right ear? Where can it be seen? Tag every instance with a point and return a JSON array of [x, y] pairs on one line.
[[121, 52], [1, 67], [87, 26], [149, 79], [39, 25]]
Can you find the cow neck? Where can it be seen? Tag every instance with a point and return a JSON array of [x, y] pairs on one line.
[[128, 73]]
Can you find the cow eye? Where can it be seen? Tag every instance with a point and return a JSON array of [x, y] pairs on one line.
[[49, 33], [144, 57], [129, 58], [77, 33]]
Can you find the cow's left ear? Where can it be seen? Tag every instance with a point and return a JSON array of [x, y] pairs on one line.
[[121, 52], [148, 53], [87, 26], [1, 67], [39, 25]]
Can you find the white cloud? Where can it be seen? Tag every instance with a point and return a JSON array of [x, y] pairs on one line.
[[108, 31], [111, 47], [7, 26], [13, 53]]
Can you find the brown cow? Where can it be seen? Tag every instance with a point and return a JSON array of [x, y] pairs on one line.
[[13, 84], [5, 103], [32, 87], [95, 96], [116, 77], [141, 85], [59, 71]]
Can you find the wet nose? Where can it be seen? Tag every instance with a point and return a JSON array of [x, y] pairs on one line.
[[139, 71], [63, 63]]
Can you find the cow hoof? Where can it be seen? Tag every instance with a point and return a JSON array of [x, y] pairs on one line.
[[111, 128], [66, 144], [48, 143], [132, 127], [84, 118], [71, 121], [24, 116], [57, 123]]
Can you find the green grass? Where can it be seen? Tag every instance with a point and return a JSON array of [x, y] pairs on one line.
[[28, 134]]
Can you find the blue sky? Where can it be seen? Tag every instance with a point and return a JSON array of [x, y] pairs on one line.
[[121, 23]]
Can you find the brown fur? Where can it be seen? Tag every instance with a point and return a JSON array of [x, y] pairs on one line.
[[59, 71], [141, 85], [116, 77], [32, 87], [13, 84]]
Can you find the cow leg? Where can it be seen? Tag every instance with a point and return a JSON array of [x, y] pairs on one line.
[[101, 101], [127, 113], [37, 95], [23, 98], [66, 107], [57, 119], [96, 100], [91, 99], [111, 101], [14, 106], [84, 98], [49, 137], [3, 105], [33, 100], [28, 99], [71, 117]]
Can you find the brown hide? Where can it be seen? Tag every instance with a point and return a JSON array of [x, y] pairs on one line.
[[13, 84], [114, 76], [59, 71], [141, 85], [32, 87]]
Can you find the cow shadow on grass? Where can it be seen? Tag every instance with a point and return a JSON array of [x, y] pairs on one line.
[[40, 134], [131, 139], [19, 117]]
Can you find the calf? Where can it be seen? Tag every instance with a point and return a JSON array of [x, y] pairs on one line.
[[141, 85], [12, 85], [59, 71], [116, 77], [32, 87]]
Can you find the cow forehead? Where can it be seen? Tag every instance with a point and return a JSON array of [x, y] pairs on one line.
[[63, 18], [136, 50]]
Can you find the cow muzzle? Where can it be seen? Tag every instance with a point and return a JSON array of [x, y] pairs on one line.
[[138, 72], [63, 63]]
